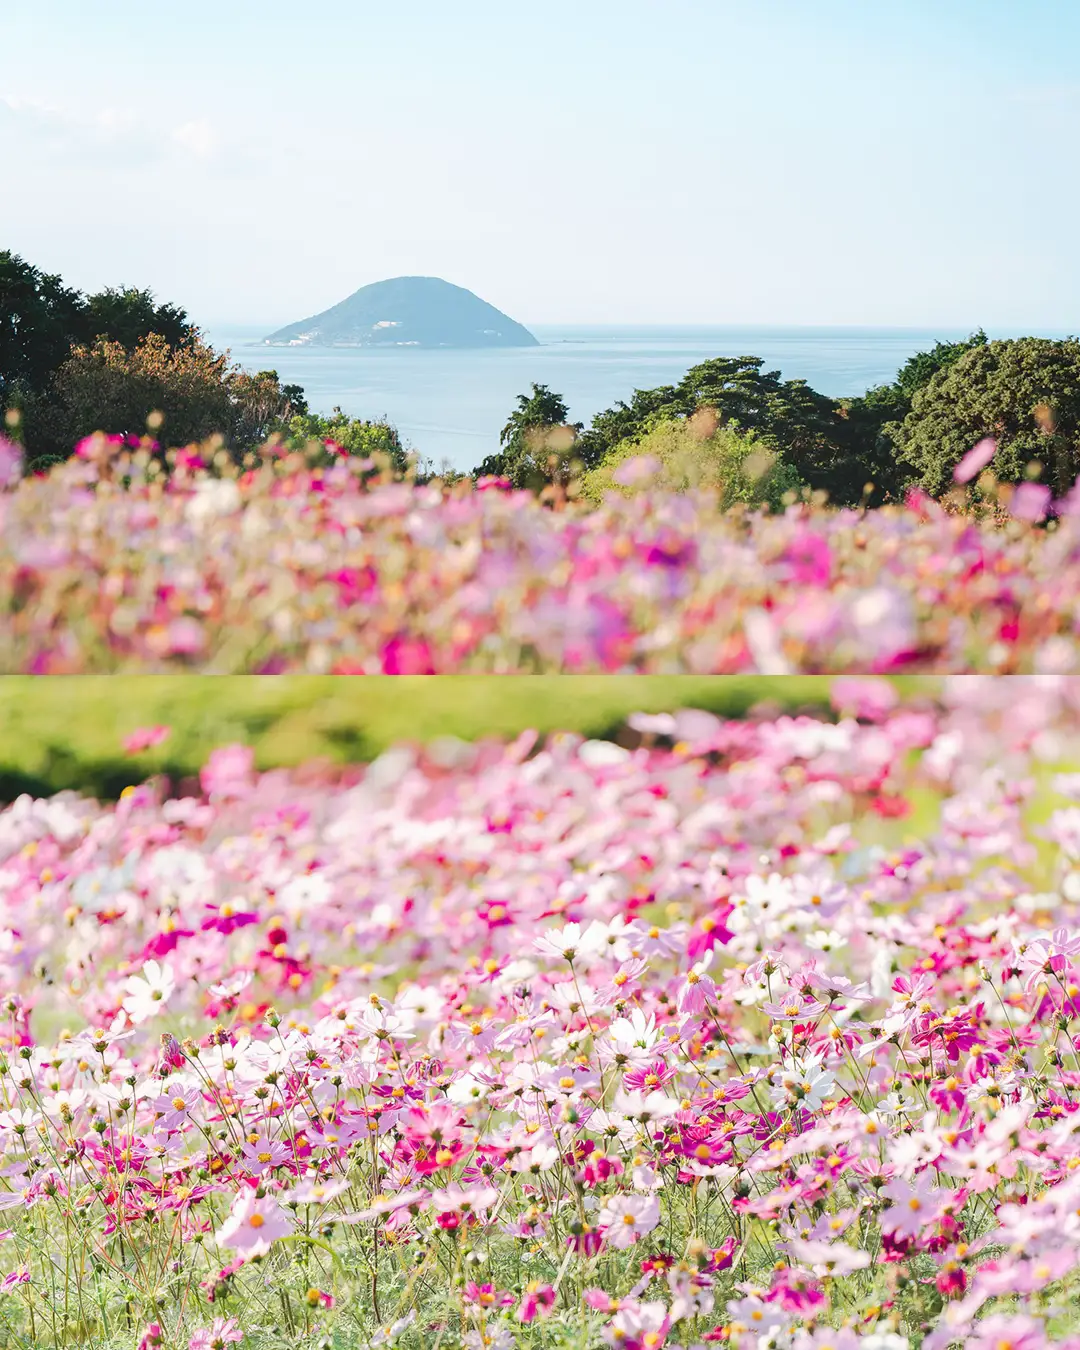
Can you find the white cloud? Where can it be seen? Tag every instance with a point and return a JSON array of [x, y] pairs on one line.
[[120, 137], [198, 137]]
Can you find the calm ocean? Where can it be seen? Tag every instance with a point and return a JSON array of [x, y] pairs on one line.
[[450, 405]]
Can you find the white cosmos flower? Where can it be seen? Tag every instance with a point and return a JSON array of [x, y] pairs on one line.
[[642, 1105], [465, 1089], [803, 1084], [638, 1030], [149, 992], [562, 944]]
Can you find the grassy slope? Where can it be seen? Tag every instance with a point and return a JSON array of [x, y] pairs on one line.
[[57, 733]]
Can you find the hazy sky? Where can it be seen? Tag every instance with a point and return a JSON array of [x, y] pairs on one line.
[[907, 162]]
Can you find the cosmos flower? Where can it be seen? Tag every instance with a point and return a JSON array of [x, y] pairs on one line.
[[148, 993], [626, 1219], [253, 1225]]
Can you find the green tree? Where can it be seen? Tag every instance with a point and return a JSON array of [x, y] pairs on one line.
[[261, 406], [917, 372], [805, 427], [626, 421], [357, 436], [536, 442], [127, 315], [39, 320], [696, 454], [106, 387], [871, 419], [1024, 392]]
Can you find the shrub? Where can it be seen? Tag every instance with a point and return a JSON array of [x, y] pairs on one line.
[[354, 435], [105, 387], [696, 455]]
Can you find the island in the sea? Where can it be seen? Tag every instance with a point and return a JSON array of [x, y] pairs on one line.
[[407, 312]]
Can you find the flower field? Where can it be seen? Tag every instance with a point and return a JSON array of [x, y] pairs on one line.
[[298, 569], [763, 1033]]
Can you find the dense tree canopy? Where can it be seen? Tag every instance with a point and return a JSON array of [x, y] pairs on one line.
[[40, 318], [537, 441], [872, 419], [262, 405], [126, 315], [74, 364], [1024, 392], [804, 426], [106, 387]]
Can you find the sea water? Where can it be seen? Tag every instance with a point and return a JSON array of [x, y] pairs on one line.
[[450, 405]]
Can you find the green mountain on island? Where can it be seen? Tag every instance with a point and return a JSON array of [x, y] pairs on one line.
[[407, 312]]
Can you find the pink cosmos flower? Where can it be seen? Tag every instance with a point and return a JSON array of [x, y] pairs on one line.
[[455, 1199], [1018, 1332], [10, 464], [486, 1295], [638, 1326], [142, 738], [1030, 501], [828, 1258], [809, 559], [914, 1205], [174, 1104], [253, 1224], [976, 459], [626, 1219], [224, 1331], [407, 656], [538, 1301], [638, 469], [869, 698], [227, 773], [560, 943], [698, 989], [264, 1154]]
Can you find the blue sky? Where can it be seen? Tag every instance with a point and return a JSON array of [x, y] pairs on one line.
[[882, 162]]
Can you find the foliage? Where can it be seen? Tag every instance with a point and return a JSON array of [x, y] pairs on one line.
[[1025, 393], [695, 455], [917, 372], [40, 317], [261, 406], [871, 416], [354, 435], [537, 442], [803, 426], [106, 387], [128, 315], [72, 364]]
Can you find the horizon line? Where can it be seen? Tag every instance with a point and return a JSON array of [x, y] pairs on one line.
[[1035, 330]]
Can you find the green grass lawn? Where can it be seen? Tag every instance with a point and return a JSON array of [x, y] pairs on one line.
[[67, 732]]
